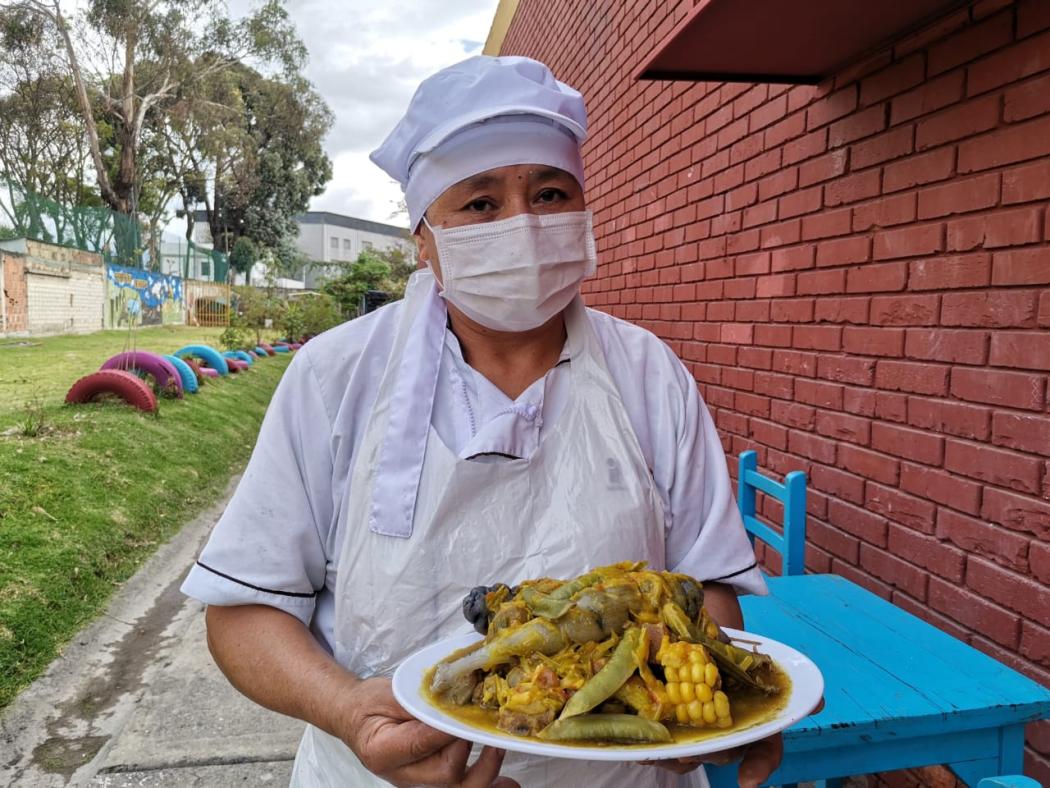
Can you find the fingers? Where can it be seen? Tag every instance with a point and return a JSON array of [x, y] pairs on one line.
[[446, 767], [485, 770], [760, 761]]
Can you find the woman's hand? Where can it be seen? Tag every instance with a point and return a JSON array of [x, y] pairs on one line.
[[758, 761], [402, 750]]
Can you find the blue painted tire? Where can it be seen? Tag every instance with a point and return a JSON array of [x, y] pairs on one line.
[[189, 378], [238, 354], [282, 348], [261, 353], [209, 355]]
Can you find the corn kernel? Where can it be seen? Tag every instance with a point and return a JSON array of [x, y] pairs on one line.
[[697, 656], [710, 717], [696, 673], [721, 702], [671, 674], [687, 692], [724, 722], [710, 674], [673, 693], [681, 712], [703, 693], [696, 711]]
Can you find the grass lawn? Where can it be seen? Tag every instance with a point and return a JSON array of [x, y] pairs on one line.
[[84, 502]]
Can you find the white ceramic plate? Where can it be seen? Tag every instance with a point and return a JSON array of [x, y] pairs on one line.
[[807, 688]]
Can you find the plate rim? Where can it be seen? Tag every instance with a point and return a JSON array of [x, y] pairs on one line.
[[415, 703]]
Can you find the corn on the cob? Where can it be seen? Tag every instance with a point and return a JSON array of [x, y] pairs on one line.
[[693, 685]]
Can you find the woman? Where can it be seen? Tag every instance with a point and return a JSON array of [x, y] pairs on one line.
[[486, 428]]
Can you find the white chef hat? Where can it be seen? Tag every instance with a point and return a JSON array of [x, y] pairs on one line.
[[482, 113]]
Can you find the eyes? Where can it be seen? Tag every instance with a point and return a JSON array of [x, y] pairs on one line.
[[547, 196]]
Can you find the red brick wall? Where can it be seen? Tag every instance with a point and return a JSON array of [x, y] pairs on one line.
[[858, 275], [14, 294]]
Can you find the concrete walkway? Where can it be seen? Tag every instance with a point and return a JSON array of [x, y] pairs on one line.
[[136, 700]]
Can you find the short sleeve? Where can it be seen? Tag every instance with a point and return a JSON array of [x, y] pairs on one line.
[[268, 546], [707, 539]]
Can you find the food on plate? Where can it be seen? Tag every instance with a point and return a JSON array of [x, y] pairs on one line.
[[621, 654]]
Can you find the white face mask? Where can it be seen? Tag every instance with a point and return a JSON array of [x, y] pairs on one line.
[[517, 273]]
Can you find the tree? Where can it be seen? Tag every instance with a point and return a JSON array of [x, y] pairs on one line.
[[385, 269], [243, 257], [128, 59]]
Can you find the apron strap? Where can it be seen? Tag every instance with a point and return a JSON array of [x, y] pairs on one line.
[[404, 446]]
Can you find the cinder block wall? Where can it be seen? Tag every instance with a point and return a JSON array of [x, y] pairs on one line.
[[65, 289], [858, 276]]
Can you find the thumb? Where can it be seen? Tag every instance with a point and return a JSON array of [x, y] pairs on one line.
[[505, 782]]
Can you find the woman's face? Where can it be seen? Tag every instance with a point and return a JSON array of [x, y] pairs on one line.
[[498, 194]]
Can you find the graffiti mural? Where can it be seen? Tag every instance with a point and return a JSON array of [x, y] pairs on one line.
[[141, 298]]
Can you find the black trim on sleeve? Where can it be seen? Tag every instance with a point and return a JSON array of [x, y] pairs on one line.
[[493, 454], [257, 588], [734, 574]]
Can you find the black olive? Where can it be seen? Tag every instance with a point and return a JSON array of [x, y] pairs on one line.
[[475, 610]]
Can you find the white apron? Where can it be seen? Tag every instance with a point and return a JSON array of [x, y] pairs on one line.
[[584, 499]]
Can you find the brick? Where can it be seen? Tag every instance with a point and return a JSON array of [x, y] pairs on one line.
[[751, 264], [780, 182], [755, 357], [909, 241], [844, 251], [737, 333], [946, 273], [775, 286], [1007, 145], [885, 212], [1028, 183], [959, 196], [910, 444], [1032, 16], [978, 537], [892, 80], [875, 278], [973, 611], [1021, 431], [751, 405], [970, 43], [905, 310], [852, 188], [817, 282], [838, 484], [1003, 228], [929, 96], [817, 337], [889, 406], [793, 362], [822, 168], [857, 126], [751, 311], [822, 395], [793, 414], [854, 520], [841, 310], [792, 310], [1022, 266], [958, 122], [773, 385], [869, 464], [841, 426], [873, 341], [990, 309], [915, 378], [767, 113], [997, 387], [1035, 643], [1010, 590], [1027, 100], [918, 170], [1039, 560], [792, 258], [831, 107], [891, 145], [1017, 512], [1010, 65], [954, 347], [826, 224], [811, 446], [1021, 349], [894, 571], [932, 555], [799, 202], [781, 234], [773, 336], [861, 402], [994, 466], [941, 487], [1043, 317], [806, 147]]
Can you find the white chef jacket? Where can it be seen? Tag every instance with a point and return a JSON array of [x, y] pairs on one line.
[[279, 539]]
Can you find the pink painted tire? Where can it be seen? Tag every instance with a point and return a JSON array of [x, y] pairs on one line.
[[162, 370], [208, 372], [129, 387], [296, 345], [268, 348]]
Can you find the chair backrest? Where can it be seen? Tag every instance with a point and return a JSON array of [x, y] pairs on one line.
[[1009, 781], [792, 494]]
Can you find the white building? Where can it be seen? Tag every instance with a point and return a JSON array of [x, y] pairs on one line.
[[328, 239]]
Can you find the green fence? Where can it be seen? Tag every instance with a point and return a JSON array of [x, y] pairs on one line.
[[119, 238]]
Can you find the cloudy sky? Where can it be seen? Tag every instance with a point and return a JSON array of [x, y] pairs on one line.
[[366, 59]]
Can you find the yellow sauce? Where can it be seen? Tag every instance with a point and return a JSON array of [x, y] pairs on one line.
[[749, 708]]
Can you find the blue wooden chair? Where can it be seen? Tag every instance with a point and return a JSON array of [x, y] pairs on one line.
[[791, 543], [1008, 781]]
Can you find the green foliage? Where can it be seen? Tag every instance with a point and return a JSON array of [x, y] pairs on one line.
[[103, 486], [255, 310], [309, 315], [237, 337], [386, 270], [33, 420], [243, 255]]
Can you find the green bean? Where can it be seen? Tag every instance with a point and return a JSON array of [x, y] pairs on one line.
[[583, 581], [601, 686], [606, 727]]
